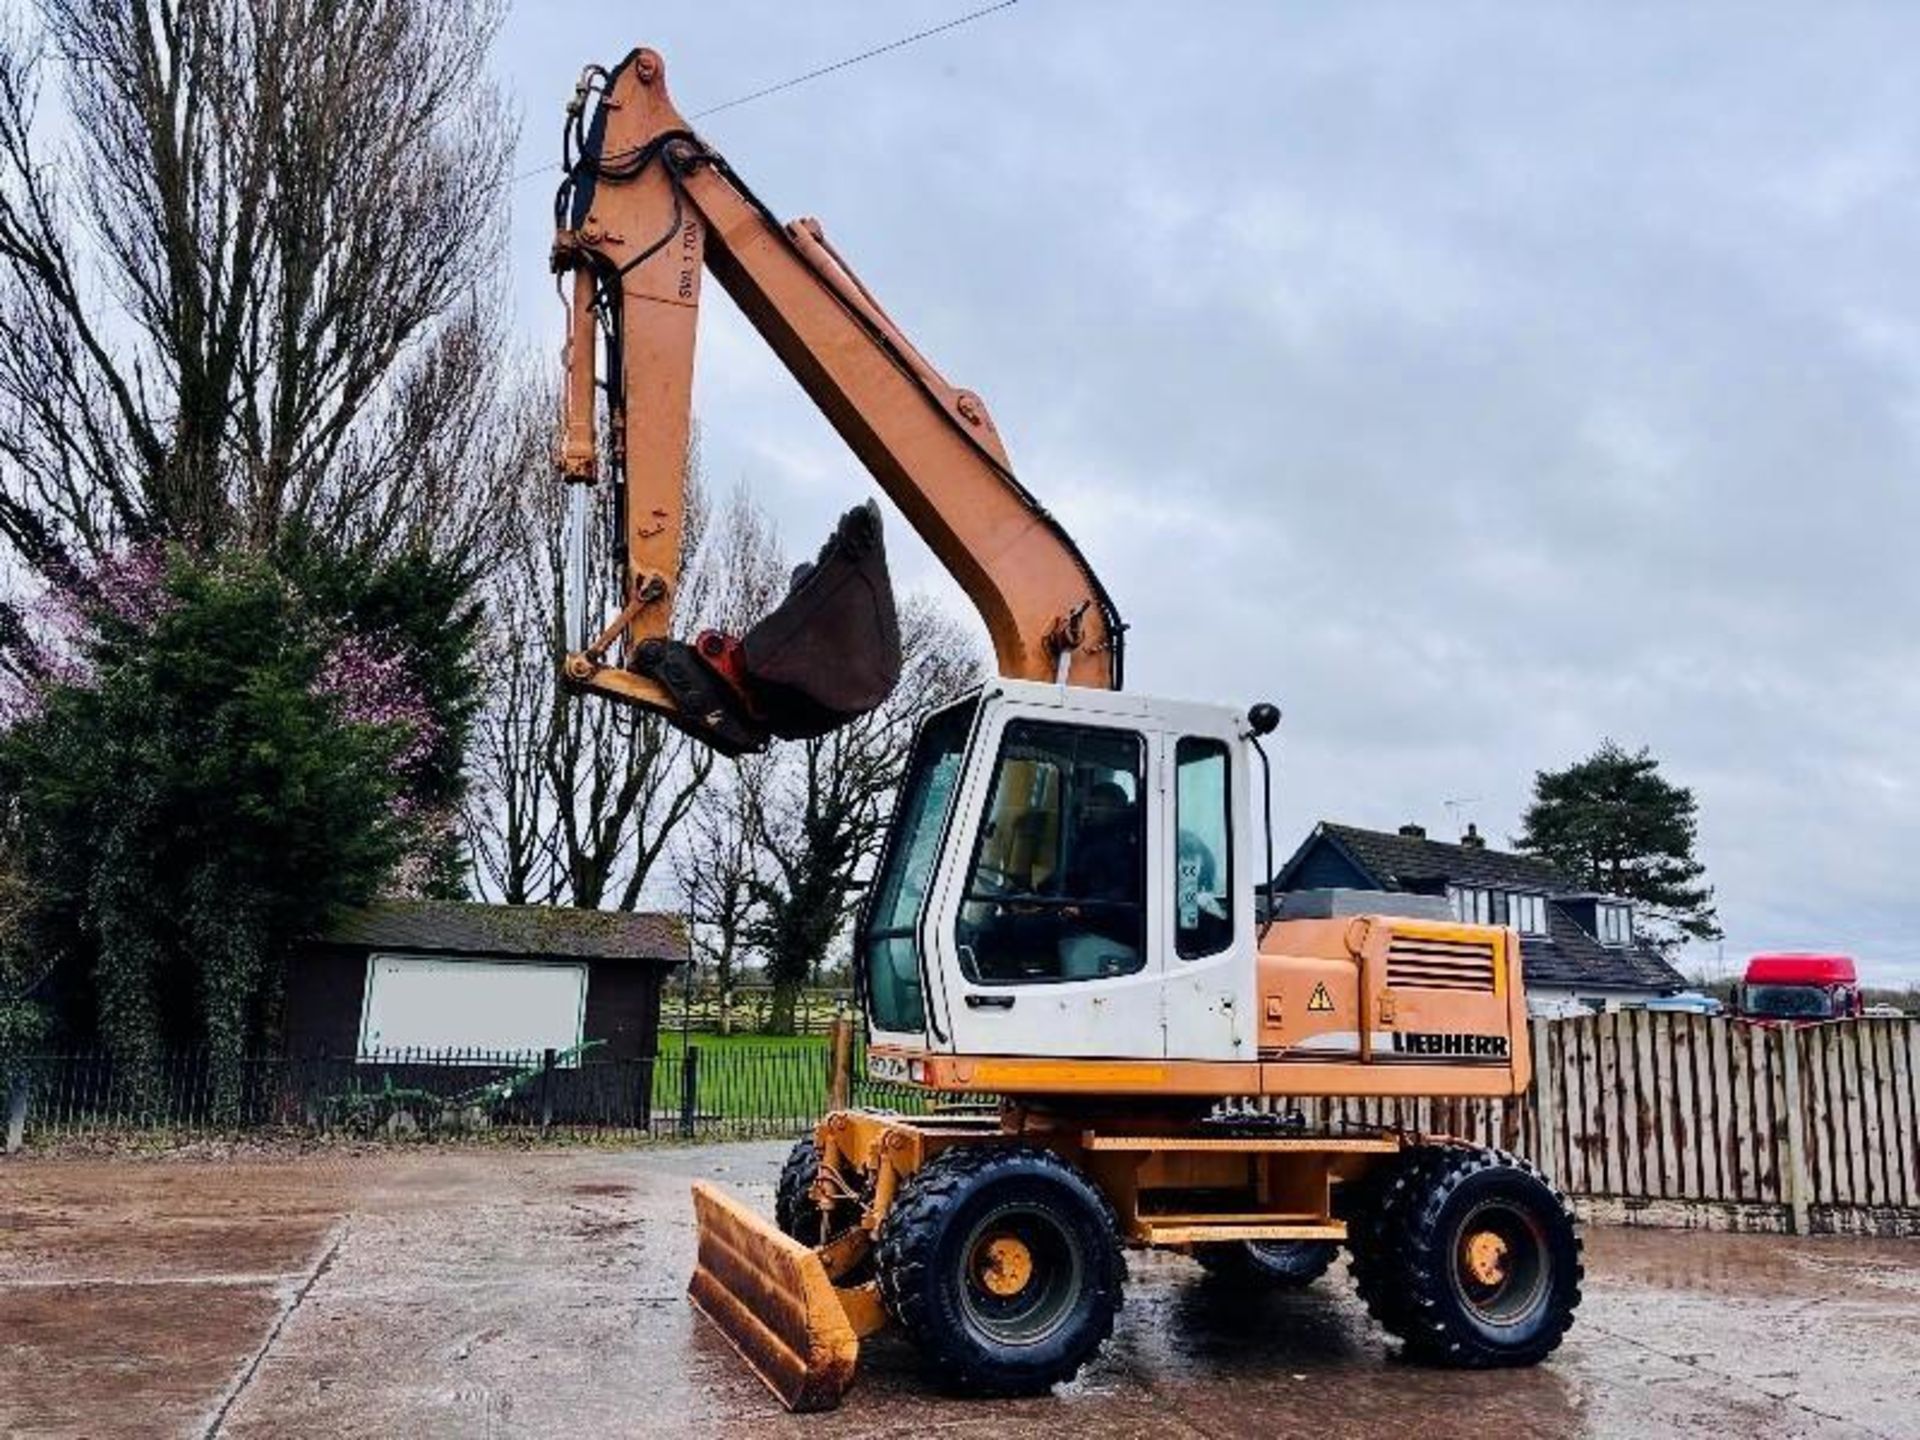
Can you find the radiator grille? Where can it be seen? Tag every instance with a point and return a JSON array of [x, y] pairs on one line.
[[1427, 962]]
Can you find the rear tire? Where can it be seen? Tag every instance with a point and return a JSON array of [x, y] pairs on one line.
[[1277, 1264], [1003, 1266], [1484, 1261], [1375, 1208]]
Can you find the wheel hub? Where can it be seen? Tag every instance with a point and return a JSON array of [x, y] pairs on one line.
[[1003, 1265], [1487, 1258]]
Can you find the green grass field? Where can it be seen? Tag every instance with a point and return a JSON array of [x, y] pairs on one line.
[[772, 1079]]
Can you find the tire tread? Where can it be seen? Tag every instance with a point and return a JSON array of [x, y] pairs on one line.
[[1410, 1284], [792, 1200], [911, 1229]]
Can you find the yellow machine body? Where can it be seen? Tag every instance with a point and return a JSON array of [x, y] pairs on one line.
[[1066, 922]]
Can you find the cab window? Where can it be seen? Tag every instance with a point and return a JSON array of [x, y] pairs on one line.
[[1203, 852], [894, 998], [1056, 890]]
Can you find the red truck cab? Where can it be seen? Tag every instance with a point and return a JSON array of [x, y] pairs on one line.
[[1798, 989]]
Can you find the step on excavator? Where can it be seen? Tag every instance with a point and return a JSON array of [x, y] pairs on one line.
[[1065, 941]]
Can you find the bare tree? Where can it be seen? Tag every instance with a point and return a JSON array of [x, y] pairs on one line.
[[820, 817], [577, 800], [251, 289], [720, 869], [740, 576]]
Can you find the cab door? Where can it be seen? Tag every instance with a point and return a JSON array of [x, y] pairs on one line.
[[1208, 920], [1049, 941]]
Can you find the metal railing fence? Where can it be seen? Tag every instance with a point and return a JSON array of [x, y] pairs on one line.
[[705, 1092]]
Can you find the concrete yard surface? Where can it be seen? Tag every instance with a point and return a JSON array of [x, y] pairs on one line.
[[493, 1292]]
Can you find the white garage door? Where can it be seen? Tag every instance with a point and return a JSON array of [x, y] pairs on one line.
[[416, 1002]]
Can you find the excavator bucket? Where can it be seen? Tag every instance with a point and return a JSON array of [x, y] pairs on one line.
[[771, 1297], [830, 651], [826, 655]]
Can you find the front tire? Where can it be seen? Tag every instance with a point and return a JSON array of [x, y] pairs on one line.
[[1486, 1257], [1276, 1264], [1002, 1265]]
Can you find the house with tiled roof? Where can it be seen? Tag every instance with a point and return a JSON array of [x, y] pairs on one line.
[[1576, 946]]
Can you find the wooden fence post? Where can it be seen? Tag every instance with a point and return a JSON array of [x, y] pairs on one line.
[[17, 1114], [840, 1078], [1796, 1182], [1546, 1103]]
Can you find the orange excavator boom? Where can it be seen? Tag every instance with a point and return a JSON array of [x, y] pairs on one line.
[[646, 208]]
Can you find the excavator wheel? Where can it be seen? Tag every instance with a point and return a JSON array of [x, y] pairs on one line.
[[1375, 1210], [1485, 1257], [1277, 1264], [1003, 1266]]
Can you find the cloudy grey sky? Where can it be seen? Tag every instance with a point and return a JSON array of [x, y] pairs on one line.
[[1475, 380]]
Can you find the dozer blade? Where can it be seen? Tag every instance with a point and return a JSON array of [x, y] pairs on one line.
[[770, 1296]]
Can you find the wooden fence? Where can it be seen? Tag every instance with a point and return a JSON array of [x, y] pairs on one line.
[[1697, 1119], [744, 1010]]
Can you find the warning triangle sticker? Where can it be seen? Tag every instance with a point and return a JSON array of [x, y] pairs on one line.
[[1321, 999]]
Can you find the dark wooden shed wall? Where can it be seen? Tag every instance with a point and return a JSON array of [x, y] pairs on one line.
[[623, 1008], [326, 991]]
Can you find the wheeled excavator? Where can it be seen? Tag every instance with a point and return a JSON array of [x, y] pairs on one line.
[[1066, 925]]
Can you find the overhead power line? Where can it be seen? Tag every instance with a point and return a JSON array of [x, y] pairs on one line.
[[847, 63], [851, 60]]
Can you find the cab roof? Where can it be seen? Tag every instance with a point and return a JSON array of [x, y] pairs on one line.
[[1120, 704], [1801, 970]]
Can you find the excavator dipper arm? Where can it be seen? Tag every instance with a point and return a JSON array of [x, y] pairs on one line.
[[646, 207]]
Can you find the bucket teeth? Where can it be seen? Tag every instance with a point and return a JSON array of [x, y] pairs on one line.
[[771, 1297]]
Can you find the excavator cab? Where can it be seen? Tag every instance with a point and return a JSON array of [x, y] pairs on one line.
[[1069, 874]]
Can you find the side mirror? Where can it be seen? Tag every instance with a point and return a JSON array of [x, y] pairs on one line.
[[1264, 719]]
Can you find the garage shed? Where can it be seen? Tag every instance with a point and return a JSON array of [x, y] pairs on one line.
[[436, 976]]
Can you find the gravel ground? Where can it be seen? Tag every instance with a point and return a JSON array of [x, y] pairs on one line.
[[464, 1292]]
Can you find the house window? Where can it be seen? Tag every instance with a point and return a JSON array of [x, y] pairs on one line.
[[1470, 904], [1477, 905], [1616, 924], [1529, 914]]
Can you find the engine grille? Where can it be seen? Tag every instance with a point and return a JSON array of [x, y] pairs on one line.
[[1427, 962]]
